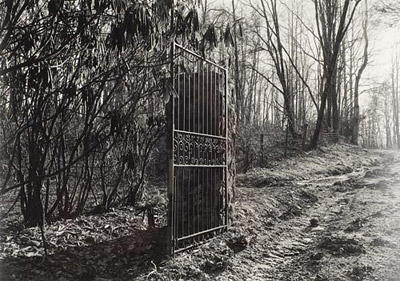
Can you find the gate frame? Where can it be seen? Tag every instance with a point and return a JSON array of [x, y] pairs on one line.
[[172, 212]]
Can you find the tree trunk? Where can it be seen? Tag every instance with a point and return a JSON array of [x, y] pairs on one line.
[[356, 119], [331, 38]]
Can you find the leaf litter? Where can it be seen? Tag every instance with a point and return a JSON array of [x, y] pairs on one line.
[[290, 221]]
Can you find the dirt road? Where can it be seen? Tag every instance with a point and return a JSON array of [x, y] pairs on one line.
[[322, 217], [364, 215], [350, 230], [360, 224]]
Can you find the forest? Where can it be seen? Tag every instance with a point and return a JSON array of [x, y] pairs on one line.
[[87, 90]]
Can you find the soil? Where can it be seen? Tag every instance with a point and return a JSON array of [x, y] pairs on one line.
[[329, 214]]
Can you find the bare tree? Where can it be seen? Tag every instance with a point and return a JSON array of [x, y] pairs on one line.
[[273, 45], [356, 115], [395, 97], [333, 21]]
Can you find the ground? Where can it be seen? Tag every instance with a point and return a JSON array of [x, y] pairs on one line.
[[329, 214]]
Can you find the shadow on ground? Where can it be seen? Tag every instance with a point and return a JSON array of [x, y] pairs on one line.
[[120, 259]]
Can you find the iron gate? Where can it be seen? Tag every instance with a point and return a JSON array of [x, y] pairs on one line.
[[198, 168]]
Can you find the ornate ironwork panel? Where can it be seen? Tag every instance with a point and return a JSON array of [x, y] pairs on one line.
[[192, 149], [198, 166]]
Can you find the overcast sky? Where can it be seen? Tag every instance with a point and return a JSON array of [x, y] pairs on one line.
[[383, 35], [383, 39]]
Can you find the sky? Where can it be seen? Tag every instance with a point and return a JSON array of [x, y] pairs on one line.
[[383, 41], [384, 34]]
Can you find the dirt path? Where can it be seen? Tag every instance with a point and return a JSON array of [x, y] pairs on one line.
[[368, 211], [350, 232], [331, 216], [358, 232]]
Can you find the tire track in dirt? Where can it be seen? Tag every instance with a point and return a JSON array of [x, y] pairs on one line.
[[359, 229], [326, 216], [351, 233]]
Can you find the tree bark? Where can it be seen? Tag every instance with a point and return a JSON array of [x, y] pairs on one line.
[[330, 41], [356, 117]]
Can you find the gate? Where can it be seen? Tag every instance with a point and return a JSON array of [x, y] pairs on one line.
[[198, 192]]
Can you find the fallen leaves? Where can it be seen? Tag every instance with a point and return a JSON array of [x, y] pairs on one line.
[[65, 234], [273, 235]]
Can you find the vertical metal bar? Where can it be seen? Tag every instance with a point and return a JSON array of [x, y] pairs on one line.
[[202, 90], [184, 95], [220, 171], [205, 195], [218, 101], [201, 198], [212, 198], [178, 89], [220, 196], [210, 100], [189, 93], [180, 184], [206, 156], [189, 200], [177, 201], [212, 116], [216, 142], [204, 199], [181, 195], [207, 100], [221, 103], [199, 201], [172, 234], [196, 201], [207, 198], [187, 185], [182, 201], [197, 156], [215, 197], [215, 100], [193, 186], [175, 211], [226, 148], [172, 191], [201, 87], [195, 100]]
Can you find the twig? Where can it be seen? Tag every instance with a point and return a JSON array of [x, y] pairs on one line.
[[152, 272], [42, 231]]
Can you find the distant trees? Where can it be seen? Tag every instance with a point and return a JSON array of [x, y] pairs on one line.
[[379, 122], [380, 119], [385, 101], [292, 59], [395, 96], [292, 71], [280, 58], [297, 71], [356, 117], [372, 131]]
